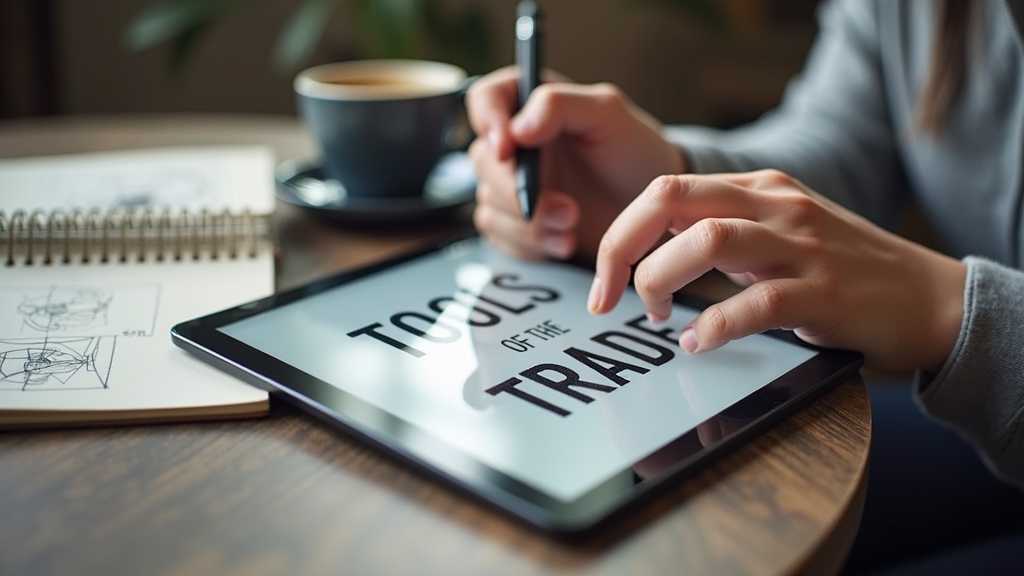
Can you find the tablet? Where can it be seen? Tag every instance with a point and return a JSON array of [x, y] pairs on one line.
[[489, 373]]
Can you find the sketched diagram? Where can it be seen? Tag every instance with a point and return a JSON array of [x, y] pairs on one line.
[[63, 337], [56, 363], [64, 309], [135, 188]]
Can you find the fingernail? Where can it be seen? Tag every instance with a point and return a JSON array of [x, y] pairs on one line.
[[688, 340], [556, 245], [596, 294], [655, 318], [522, 124], [558, 218], [494, 138]]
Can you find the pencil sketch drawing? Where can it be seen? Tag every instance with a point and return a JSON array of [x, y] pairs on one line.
[[78, 310], [63, 337], [65, 309], [68, 363], [189, 185]]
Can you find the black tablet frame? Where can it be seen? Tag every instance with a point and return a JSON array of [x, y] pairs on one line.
[[385, 431]]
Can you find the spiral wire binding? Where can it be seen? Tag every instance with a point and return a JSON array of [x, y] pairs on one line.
[[58, 237]]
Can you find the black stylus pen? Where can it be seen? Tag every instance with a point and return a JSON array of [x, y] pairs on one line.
[[528, 51]]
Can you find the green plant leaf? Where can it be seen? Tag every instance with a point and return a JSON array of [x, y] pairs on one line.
[[302, 33], [168, 20], [462, 38], [405, 13], [477, 41], [386, 28], [181, 48], [391, 28]]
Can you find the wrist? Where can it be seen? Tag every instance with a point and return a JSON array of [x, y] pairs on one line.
[[684, 161], [948, 316]]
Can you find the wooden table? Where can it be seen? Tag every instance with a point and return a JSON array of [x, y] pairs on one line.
[[288, 495]]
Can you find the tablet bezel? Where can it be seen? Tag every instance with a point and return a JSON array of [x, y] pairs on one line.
[[390, 433]]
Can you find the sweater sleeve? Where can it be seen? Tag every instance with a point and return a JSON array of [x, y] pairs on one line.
[[980, 390], [832, 130]]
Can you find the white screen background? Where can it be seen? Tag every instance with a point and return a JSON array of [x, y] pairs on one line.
[[444, 390]]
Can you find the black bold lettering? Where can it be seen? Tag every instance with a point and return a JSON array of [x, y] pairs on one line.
[[371, 331], [569, 379], [662, 333], [509, 387], [502, 305], [452, 335], [611, 368], [507, 307], [507, 281], [546, 330], [439, 305], [664, 354]]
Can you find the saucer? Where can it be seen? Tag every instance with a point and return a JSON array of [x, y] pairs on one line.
[[451, 186]]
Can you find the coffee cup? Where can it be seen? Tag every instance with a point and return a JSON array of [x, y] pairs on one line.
[[382, 125]]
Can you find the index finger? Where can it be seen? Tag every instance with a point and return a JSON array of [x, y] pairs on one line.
[[490, 102], [670, 203]]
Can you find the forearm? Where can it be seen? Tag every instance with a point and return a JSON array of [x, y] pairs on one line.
[[856, 174], [980, 390], [833, 130]]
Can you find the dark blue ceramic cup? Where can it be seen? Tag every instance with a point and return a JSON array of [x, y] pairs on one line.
[[382, 125]]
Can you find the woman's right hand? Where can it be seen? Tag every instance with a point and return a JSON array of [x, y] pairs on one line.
[[812, 266], [598, 151]]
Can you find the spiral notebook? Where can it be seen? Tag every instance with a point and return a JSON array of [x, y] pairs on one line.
[[100, 254]]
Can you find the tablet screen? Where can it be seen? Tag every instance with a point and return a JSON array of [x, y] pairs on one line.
[[499, 358]]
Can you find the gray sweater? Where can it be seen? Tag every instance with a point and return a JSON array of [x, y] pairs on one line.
[[845, 128]]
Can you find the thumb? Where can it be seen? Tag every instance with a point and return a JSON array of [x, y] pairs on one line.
[[554, 109]]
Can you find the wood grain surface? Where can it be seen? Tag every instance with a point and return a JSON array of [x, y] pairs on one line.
[[289, 495]]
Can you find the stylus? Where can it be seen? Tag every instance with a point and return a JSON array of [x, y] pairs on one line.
[[528, 52]]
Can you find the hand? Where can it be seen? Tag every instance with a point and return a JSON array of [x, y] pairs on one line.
[[598, 151], [814, 267]]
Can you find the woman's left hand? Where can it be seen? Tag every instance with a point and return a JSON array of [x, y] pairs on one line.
[[812, 266]]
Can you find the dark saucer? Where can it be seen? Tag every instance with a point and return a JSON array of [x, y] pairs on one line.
[[450, 188]]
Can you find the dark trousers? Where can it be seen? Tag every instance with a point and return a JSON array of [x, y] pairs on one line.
[[932, 506]]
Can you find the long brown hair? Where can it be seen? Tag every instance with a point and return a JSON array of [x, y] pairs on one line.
[[948, 65]]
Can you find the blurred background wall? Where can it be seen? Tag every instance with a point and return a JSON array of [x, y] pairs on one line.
[[69, 57]]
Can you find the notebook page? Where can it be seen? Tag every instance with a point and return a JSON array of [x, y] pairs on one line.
[[96, 337], [215, 178]]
